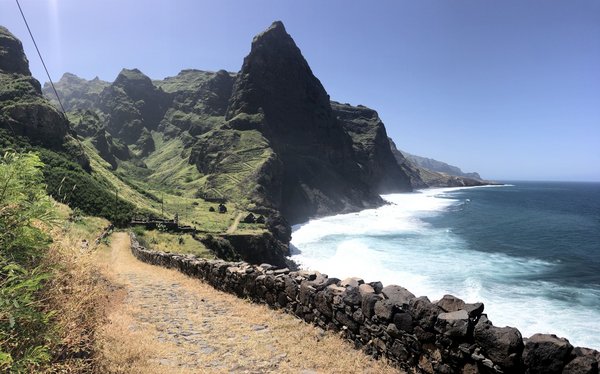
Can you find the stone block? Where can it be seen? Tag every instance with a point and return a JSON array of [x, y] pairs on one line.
[[398, 295], [384, 309], [545, 353]]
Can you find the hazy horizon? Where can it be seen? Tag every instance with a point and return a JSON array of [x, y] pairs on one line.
[[509, 90]]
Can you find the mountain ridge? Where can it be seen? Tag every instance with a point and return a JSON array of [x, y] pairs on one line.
[[268, 138]]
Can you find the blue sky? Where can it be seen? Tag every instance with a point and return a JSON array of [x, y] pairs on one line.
[[509, 88]]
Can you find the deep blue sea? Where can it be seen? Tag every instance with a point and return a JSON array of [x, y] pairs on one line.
[[529, 250]]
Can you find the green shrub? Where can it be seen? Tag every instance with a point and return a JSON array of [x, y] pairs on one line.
[[24, 210], [69, 183]]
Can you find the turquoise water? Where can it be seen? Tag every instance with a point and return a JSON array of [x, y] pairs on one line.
[[529, 250]]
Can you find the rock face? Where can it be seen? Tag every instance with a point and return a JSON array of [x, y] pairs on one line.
[[413, 172], [378, 167], [12, 57], [200, 99], [132, 103], [23, 109], [546, 354], [439, 166], [422, 177], [277, 94]]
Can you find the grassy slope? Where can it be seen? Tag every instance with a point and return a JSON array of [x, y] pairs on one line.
[[168, 175], [238, 155], [171, 178]]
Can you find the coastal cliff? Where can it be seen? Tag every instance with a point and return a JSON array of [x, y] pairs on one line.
[[291, 109], [267, 138], [444, 176]]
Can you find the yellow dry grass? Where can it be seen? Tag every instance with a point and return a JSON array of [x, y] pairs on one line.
[[76, 293], [165, 322]]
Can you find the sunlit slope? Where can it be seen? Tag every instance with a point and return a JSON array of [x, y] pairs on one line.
[[168, 190]]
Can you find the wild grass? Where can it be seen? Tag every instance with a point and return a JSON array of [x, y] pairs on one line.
[[77, 293]]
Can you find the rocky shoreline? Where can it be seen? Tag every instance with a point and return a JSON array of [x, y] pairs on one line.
[[447, 336]]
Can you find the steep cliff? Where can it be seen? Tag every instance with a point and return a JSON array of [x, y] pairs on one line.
[[267, 137], [199, 102], [371, 145], [439, 166], [277, 94], [422, 177], [23, 109], [29, 122]]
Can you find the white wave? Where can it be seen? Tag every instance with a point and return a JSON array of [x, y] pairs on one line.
[[402, 215], [393, 244]]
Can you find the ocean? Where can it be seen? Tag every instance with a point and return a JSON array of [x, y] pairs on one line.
[[530, 251]]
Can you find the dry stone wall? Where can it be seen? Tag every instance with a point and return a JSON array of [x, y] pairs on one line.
[[448, 336]]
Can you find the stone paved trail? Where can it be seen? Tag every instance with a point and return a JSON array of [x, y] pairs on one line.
[[167, 322]]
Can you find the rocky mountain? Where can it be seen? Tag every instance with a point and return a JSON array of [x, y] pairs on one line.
[[266, 140], [439, 166], [378, 166], [75, 93], [267, 137], [422, 177], [29, 122], [23, 109], [133, 105], [315, 169]]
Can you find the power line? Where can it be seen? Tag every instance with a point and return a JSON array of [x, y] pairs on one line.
[[43, 63]]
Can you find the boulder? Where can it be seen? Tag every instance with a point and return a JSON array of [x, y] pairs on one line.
[[322, 303], [353, 282], [450, 303], [503, 345], [368, 304], [403, 321], [377, 286], [365, 289], [586, 361], [352, 296], [424, 312], [581, 365], [398, 295], [474, 310], [384, 309], [546, 354], [291, 288], [454, 324]]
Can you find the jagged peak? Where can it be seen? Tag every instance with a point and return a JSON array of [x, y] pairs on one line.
[[275, 32], [131, 74], [128, 77], [70, 77]]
